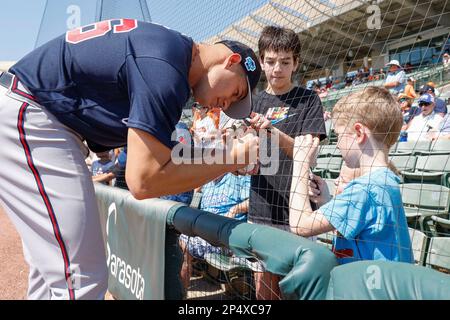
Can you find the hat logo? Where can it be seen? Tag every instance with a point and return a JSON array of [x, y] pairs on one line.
[[250, 64]]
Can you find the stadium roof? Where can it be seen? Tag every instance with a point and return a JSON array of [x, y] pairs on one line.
[[329, 29]]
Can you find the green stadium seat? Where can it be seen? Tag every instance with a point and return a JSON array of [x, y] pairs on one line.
[[419, 242], [430, 169], [326, 239], [393, 149], [328, 167], [412, 147], [326, 151], [421, 201], [441, 226], [440, 146], [438, 256], [404, 162]]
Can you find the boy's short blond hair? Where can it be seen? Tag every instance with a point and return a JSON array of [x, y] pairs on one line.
[[374, 107]]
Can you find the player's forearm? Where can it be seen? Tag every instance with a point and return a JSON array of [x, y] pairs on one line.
[[177, 178]]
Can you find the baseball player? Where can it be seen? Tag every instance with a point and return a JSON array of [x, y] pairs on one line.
[[111, 83]]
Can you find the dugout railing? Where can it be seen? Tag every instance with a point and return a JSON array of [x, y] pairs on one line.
[[141, 240]]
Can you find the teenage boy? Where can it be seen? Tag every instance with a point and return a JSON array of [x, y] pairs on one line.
[[288, 111]]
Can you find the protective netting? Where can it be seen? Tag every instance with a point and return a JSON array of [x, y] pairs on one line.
[[389, 210]]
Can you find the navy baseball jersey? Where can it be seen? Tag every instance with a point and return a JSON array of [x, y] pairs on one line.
[[103, 78]]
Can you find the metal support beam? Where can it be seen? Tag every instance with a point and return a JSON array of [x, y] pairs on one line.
[[439, 17]]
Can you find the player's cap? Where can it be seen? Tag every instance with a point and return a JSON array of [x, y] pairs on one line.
[[394, 63], [249, 62], [427, 98]]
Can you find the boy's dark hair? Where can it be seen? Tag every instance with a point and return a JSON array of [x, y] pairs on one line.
[[279, 39]]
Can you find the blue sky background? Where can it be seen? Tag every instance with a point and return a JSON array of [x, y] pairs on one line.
[[20, 20]]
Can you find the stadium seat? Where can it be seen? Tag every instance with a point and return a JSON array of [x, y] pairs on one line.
[[330, 150], [430, 169], [404, 162], [329, 167], [438, 256], [412, 147], [440, 146], [326, 239], [421, 201], [441, 226], [393, 149], [419, 242]]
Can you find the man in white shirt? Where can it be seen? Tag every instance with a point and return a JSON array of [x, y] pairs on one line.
[[396, 79], [424, 124]]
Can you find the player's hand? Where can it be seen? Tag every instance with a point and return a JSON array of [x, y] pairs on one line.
[[305, 149], [245, 150], [250, 170], [259, 122]]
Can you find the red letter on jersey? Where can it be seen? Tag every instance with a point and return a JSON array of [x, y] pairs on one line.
[[77, 35], [100, 29], [126, 25]]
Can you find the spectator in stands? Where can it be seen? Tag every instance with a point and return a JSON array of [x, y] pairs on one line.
[[358, 79], [423, 124], [103, 167], [396, 79], [119, 170], [434, 59], [227, 196], [348, 81], [432, 84], [440, 105], [409, 88], [408, 67], [368, 215], [405, 103], [382, 74], [288, 111], [443, 129], [446, 61], [205, 124], [115, 171]]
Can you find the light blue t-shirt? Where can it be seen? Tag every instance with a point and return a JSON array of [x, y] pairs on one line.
[[370, 219], [220, 195], [100, 167]]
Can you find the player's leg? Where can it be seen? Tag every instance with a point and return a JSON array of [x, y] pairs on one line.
[[50, 198], [37, 289]]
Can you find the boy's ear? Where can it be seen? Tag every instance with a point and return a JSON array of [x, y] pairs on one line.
[[360, 132], [234, 58]]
